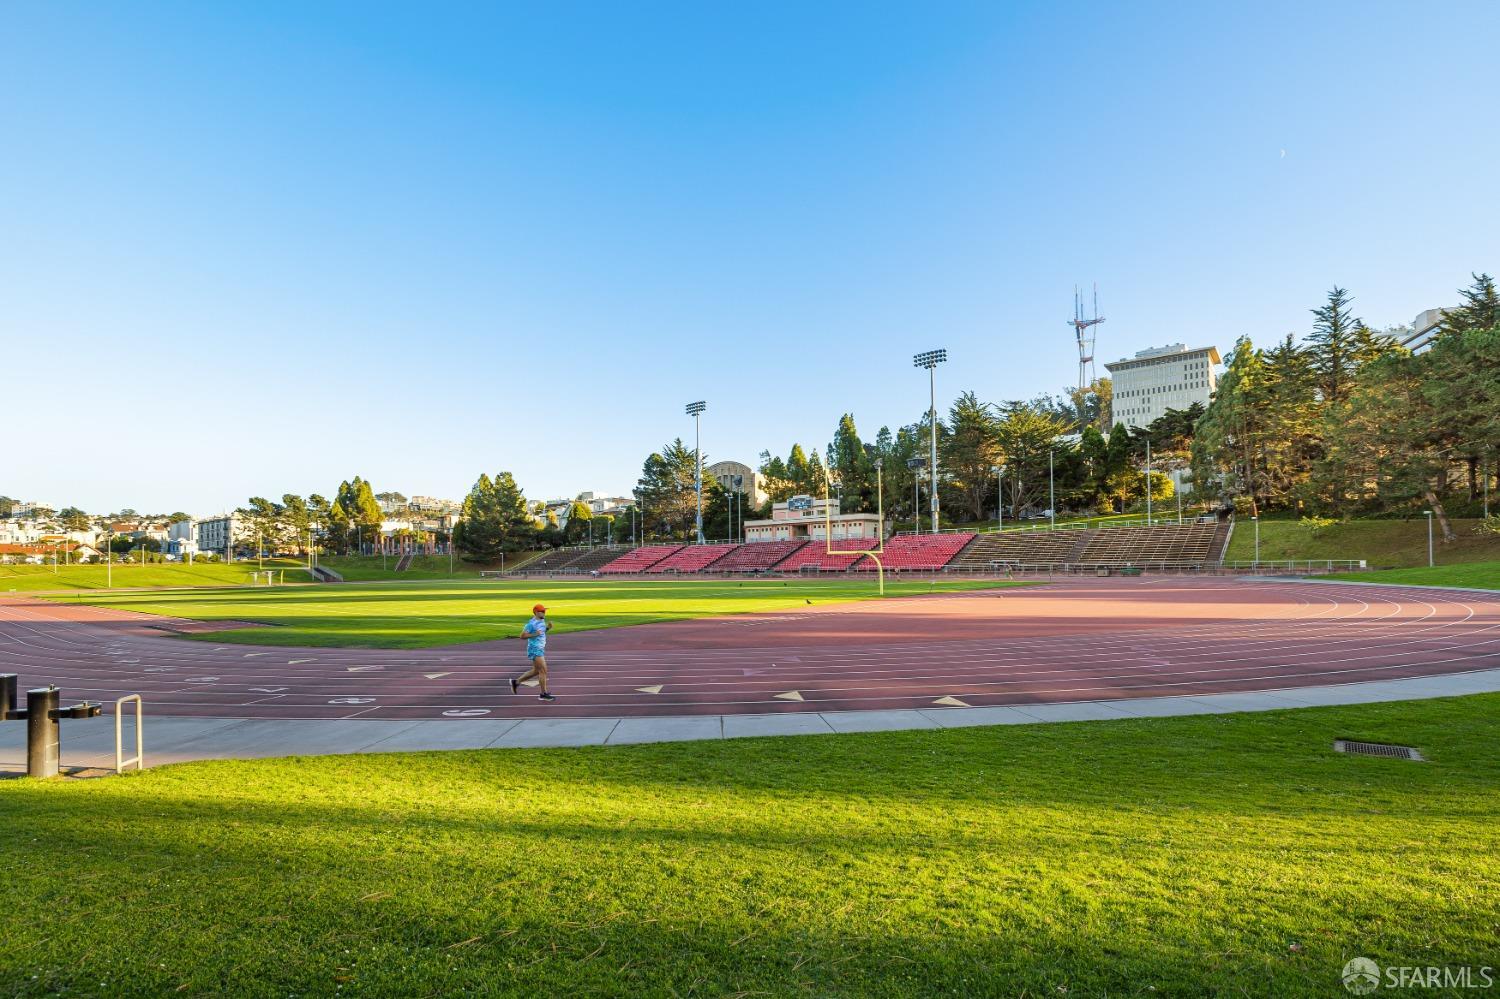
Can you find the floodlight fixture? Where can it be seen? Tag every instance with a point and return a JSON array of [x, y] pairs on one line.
[[930, 358], [694, 408]]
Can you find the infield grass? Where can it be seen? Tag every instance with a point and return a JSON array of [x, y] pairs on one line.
[[1475, 575], [34, 578], [1229, 855], [420, 614]]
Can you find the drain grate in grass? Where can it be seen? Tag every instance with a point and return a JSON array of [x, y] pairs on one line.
[[1375, 749]]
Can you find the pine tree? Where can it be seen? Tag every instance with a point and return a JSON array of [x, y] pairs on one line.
[[851, 466], [971, 449], [1339, 343], [1480, 311]]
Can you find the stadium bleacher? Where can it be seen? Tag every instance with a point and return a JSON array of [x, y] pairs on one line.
[[814, 556], [693, 558], [640, 559], [1023, 548], [1160, 544], [759, 556], [918, 552]]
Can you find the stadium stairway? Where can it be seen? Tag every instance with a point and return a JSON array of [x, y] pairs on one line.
[[405, 562], [1022, 548]]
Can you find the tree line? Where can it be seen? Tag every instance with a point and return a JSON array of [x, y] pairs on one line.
[[1347, 422]]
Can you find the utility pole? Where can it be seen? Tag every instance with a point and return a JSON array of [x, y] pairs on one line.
[[1148, 481], [1051, 492]]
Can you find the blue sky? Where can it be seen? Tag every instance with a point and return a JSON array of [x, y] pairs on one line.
[[261, 249]]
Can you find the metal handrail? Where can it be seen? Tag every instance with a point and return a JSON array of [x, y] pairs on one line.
[[139, 759]]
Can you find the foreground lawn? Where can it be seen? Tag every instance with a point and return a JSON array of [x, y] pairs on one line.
[[1223, 855], [96, 577], [1478, 575], [1381, 543], [420, 614]]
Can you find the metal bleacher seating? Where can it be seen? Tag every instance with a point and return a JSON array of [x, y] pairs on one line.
[[1022, 548], [1175, 545]]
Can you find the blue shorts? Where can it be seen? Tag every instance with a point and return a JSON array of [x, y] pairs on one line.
[[535, 651]]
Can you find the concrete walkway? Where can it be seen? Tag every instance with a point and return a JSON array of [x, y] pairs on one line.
[[90, 744]]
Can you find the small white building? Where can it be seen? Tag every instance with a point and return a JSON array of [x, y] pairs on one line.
[[803, 517], [214, 534]]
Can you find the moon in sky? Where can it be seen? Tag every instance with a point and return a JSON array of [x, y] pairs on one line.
[[1283, 154]]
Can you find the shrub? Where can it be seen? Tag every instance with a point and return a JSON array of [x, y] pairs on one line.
[[1317, 525]]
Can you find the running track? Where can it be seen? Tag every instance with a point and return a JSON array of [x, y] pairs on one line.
[[1071, 641]]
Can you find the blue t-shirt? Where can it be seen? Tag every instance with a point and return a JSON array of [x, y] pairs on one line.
[[536, 636]]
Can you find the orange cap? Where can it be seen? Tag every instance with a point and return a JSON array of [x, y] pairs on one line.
[[538, 609]]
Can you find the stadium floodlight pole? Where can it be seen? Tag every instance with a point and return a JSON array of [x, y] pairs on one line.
[[930, 359], [109, 568], [695, 410], [1429, 538]]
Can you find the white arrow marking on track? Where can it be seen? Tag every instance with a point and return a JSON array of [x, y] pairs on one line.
[[364, 669], [791, 695], [434, 676], [252, 655], [653, 689], [951, 702], [298, 662]]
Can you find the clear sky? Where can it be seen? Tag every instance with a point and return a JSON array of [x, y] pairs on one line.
[[259, 250]]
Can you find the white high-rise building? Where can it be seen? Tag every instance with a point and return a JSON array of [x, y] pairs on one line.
[[1162, 378]]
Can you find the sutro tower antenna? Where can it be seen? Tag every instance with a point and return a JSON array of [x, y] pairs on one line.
[[1084, 330]]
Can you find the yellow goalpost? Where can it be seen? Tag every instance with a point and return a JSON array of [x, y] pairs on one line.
[[879, 549]]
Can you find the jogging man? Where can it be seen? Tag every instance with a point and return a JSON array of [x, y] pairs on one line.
[[535, 634]]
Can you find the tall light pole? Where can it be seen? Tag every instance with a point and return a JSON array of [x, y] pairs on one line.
[[930, 360], [999, 471], [695, 410], [1256, 519], [1148, 481], [916, 465], [1429, 538], [1051, 492]]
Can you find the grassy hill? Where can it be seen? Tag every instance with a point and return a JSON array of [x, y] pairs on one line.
[[369, 568], [1218, 855], [1382, 543], [124, 575]]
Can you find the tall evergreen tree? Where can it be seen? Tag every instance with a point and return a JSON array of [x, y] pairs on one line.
[[971, 449], [1334, 345], [852, 468], [1479, 311]]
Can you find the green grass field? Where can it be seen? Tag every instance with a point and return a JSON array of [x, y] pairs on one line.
[[96, 577], [418, 614], [1478, 575], [1382, 543], [1214, 856], [365, 568]]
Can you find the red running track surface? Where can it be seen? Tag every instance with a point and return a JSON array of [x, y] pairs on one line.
[[1078, 640]]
